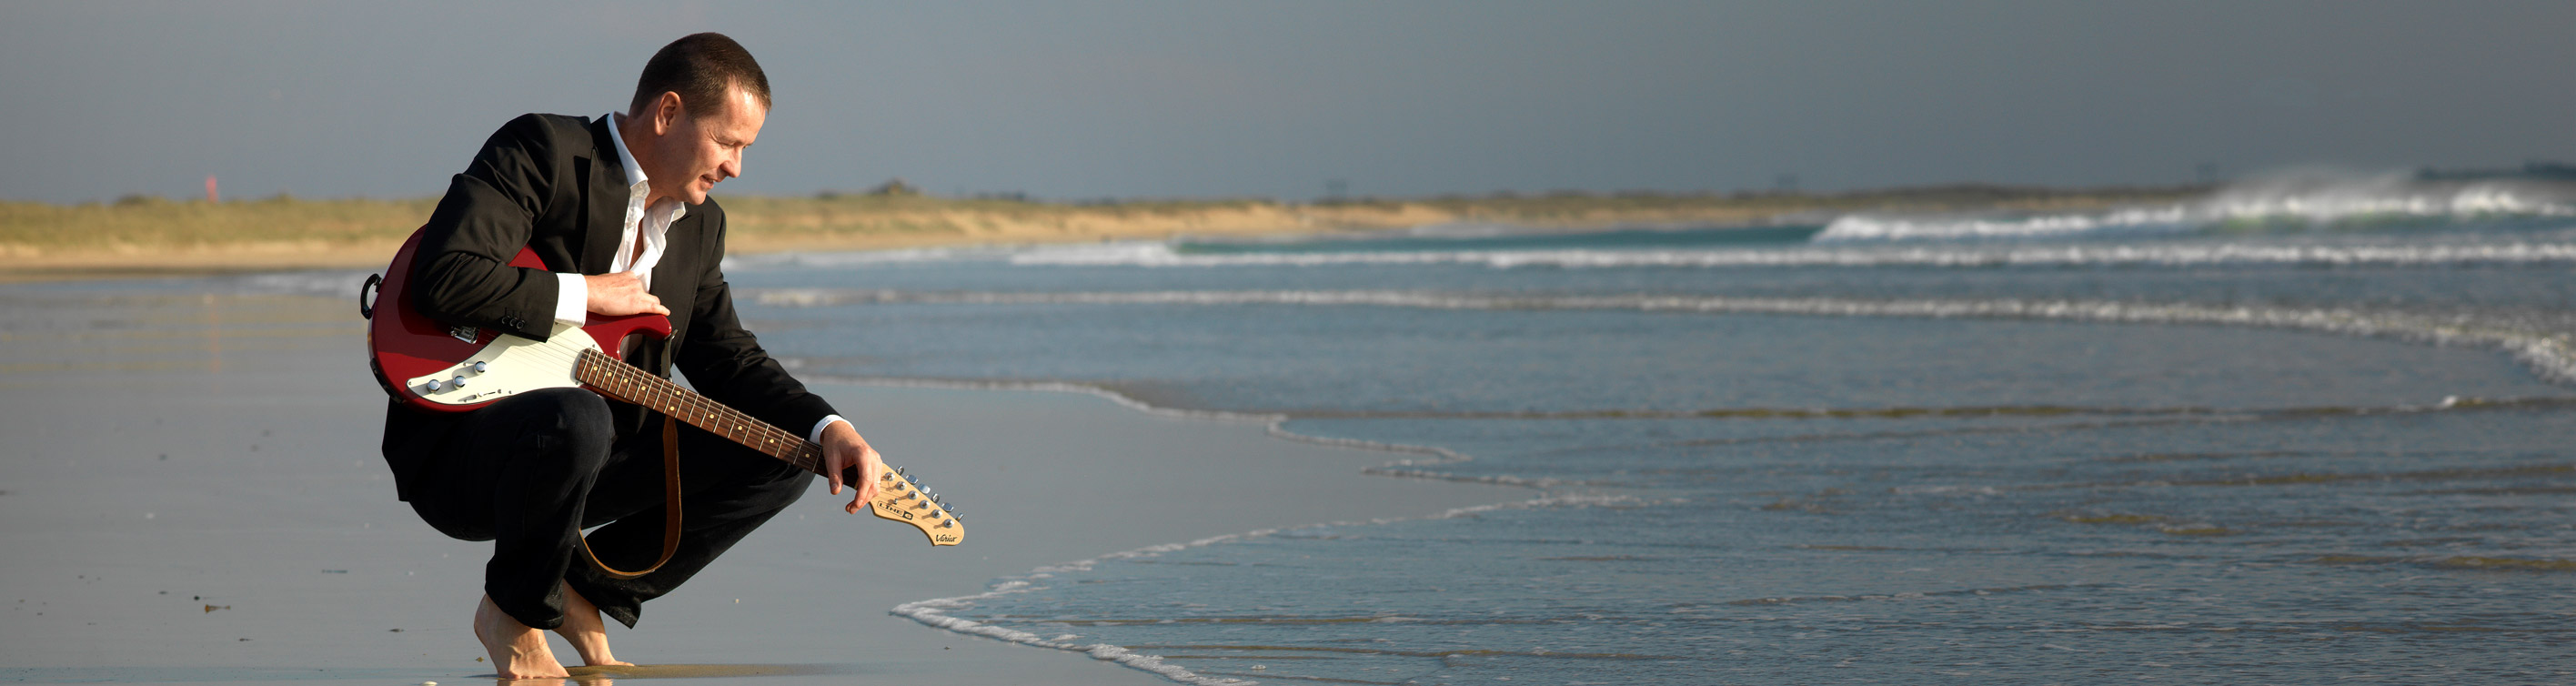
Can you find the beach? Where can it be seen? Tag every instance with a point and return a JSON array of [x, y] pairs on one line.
[[2199, 441], [192, 494]]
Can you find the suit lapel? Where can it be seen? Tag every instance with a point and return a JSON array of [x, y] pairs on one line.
[[675, 282], [675, 277], [604, 191]]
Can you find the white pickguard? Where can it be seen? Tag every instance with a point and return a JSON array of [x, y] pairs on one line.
[[511, 365]]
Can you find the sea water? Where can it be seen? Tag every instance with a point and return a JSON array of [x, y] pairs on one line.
[[2302, 435]]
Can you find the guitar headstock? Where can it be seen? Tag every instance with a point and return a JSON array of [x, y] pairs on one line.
[[900, 498]]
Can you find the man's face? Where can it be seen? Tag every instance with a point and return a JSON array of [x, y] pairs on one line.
[[699, 150]]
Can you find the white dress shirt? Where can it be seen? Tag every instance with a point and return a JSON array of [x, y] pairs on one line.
[[652, 225]]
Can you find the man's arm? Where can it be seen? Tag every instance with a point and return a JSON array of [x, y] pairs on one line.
[[487, 215], [726, 363]]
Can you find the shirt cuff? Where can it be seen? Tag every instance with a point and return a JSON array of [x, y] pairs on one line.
[[817, 435], [572, 299]]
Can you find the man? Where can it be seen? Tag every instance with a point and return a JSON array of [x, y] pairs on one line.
[[617, 207]]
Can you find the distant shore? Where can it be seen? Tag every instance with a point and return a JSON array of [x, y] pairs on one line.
[[145, 236]]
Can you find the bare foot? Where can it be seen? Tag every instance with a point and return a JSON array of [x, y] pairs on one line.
[[582, 627], [518, 650]]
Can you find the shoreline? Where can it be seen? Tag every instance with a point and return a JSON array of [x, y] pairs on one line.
[[153, 238], [188, 467]]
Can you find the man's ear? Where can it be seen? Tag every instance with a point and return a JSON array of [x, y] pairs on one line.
[[667, 112]]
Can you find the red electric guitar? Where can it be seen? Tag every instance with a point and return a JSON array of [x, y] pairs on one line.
[[442, 368]]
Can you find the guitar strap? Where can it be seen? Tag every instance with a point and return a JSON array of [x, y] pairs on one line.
[[670, 506]]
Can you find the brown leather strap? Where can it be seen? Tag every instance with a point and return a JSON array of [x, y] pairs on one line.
[[670, 505]]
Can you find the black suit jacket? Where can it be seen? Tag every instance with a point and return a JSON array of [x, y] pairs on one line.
[[555, 183]]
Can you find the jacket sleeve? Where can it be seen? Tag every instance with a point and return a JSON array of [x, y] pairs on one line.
[[726, 363], [462, 271]]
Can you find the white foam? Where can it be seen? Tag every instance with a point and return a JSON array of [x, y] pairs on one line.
[[2550, 352], [867, 257], [324, 283], [935, 612], [1466, 230], [2307, 198], [2171, 254], [1122, 399]]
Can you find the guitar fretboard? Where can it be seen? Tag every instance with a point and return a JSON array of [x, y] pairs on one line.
[[630, 384]]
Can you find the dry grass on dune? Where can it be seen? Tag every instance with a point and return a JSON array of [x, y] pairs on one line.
[[139, 223]]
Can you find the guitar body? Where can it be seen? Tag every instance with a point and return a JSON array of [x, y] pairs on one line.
[[408, 350], [432, 366]]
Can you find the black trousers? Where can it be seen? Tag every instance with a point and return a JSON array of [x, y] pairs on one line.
[[530, 472]]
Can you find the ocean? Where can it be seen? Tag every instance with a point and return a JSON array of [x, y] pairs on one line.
[[2295, 433]]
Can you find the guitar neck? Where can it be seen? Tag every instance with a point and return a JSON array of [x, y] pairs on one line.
[[627, 383]]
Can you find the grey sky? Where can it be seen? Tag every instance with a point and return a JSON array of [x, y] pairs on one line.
[[1081, 100]]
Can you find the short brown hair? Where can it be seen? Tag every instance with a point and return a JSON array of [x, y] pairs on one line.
[[700, 67]]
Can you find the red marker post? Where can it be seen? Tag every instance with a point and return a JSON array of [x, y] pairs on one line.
[[210, 189]]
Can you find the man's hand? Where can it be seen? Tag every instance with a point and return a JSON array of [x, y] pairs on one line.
[[620, 294], [842, 447]]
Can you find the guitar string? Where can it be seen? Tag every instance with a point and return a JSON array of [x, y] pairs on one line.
[[806, 453], [635, 379]]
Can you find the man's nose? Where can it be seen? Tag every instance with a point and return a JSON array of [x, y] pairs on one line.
[[731, 168]]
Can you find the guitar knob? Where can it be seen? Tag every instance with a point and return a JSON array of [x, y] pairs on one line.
[[431, 386], [458, 382], [480, 367]]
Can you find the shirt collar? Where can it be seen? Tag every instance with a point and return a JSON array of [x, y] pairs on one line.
[[634, 173]]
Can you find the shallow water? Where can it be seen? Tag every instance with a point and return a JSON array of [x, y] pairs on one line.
[[2237, 450]]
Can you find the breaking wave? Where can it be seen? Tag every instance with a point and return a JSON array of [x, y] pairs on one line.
[[2298, 202]]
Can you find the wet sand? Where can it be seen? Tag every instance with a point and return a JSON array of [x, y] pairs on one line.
[[191, 493]]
